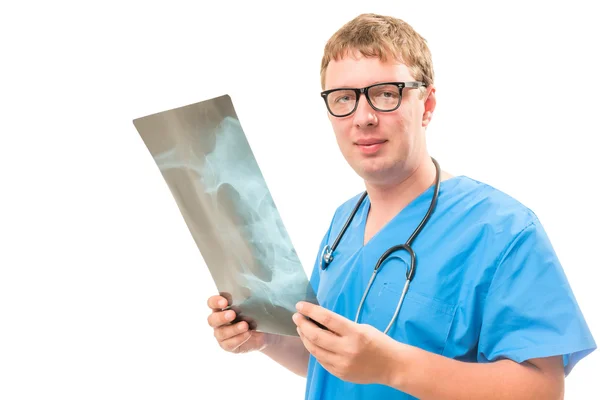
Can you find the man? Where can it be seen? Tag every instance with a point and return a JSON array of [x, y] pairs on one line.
[[488, 313]]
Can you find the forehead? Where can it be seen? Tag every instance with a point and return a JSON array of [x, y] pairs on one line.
[[357, 70]]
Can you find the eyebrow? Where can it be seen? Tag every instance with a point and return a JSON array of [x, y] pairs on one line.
[[370, 84], [376, 82]]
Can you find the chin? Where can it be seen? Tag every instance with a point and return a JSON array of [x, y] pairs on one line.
[[377, 170], [373, 165], [372, 173]]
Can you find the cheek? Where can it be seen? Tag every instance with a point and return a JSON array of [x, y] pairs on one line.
[[394, 125], [342, 129], [412, 113], [401, 123]]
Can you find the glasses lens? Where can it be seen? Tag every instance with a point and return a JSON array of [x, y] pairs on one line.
[[385, 97], [341, 101]]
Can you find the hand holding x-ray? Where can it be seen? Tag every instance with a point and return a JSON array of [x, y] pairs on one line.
[[205, 158], [235, 337]]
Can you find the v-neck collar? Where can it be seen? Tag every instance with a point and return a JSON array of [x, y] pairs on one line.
[[425, 195]]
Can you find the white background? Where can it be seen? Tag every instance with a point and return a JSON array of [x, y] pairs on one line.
[[102, 290]]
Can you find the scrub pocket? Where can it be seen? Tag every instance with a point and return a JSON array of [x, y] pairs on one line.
[[422, 321]]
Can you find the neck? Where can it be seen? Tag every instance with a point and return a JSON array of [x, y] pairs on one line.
[[389, 199]]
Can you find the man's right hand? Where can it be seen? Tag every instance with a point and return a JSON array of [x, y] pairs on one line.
[[234, 338]]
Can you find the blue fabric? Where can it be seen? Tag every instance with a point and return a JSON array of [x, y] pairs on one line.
[[488, 284]]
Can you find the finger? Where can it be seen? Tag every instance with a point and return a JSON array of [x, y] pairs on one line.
[[334, 322], [227, 332], [328, 366], [321, 354], [220, 318], [317, 336], [233, 343], [328, 360], [217, 302], [227, 296]]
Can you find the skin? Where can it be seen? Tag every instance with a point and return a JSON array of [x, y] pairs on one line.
[[401, 169], [236, 338], [394, 175], [362, 354]]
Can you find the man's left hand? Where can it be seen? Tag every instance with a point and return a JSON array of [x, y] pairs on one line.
[[353, 352]]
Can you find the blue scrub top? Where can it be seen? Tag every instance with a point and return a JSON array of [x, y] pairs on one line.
[[488, 284]]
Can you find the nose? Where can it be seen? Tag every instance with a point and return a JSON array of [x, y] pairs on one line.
[[365, 115]]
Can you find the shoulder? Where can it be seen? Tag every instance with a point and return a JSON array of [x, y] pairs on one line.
[[340, 215], [344, 210], [476, 202], [484, 221], [347, 206]]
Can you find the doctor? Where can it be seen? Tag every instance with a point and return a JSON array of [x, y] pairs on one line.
[[488, 313]]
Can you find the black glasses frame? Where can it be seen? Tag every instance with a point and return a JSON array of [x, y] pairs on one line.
[[365, 91]]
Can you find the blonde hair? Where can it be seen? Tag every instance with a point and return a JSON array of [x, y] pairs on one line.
[[381, 36]]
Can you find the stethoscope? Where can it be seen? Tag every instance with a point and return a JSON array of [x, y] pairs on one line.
[[327, 254]]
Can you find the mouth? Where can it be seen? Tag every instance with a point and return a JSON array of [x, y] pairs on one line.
[[370, 146], [370, 142]]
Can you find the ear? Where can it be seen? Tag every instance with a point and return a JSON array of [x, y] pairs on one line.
[[429, 105]]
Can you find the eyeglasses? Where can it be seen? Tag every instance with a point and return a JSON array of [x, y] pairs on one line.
[[383, 97]]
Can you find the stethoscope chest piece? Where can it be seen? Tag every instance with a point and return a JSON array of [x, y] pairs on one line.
[[326, 257]]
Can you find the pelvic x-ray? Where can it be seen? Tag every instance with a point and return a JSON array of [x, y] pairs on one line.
[[205, 158]]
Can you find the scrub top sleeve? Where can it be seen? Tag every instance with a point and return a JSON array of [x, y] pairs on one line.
[[530, 310], [315, 277]]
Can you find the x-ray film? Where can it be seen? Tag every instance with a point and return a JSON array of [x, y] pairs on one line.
[[205, 159]]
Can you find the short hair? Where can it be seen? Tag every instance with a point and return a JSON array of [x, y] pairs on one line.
[[375, 35]]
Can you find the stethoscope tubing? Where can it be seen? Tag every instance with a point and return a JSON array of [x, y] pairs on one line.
[[327, 253]]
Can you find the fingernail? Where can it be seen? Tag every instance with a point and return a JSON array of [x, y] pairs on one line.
[[230, 315], [223, 303], [299, 306]]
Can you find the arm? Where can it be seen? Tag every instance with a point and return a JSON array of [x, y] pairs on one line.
[[289, 352], [362, 354], [430, 376], [237, 338], [530, 315]]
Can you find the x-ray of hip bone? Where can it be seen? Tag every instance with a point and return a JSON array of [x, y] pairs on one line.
[[205, 159]]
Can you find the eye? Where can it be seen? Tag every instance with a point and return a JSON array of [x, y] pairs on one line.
[[342, 99], [384, 92]]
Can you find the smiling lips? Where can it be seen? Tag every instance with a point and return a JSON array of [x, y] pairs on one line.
[[369, 146]]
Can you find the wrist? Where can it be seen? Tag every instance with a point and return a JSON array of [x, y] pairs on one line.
[[398, 366], [270, 341]]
